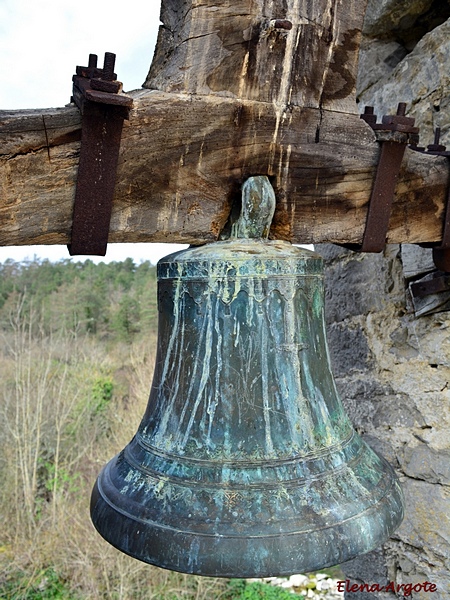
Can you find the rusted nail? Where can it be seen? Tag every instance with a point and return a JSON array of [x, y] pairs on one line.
[[280, 24]]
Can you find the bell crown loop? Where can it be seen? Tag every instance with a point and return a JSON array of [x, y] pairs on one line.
[[258, 208], [247, 252]]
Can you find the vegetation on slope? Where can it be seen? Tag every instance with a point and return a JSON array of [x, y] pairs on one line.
[[77, 349]]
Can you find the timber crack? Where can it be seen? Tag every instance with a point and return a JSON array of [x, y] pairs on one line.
[[25, 152]]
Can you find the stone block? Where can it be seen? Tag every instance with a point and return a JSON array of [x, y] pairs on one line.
[[424, 462], [385, 16], [426, 526], [421, 80], [353, 288], [330, 252], [349, 350], [358, 393], [396, 410], [369, 568], [377, 60], [416, 260]]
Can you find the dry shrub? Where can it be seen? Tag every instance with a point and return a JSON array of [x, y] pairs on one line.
[[68, 406]]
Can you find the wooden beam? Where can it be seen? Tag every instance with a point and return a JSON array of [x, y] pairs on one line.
[[236, 98]]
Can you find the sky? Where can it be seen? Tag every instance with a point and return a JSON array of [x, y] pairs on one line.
[[42, 41]]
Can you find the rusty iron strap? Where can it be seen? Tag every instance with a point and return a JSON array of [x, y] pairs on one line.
[[382, 196], [441, 253], [103, 110], [394, 133]]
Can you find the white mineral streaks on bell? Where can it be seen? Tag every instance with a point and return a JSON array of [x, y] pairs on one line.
[[172, 347], [214, 400], [264, 347], [202, 362], [288, 369]]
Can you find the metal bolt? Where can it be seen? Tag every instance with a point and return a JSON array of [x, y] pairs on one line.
[[401, 109], [92, 64], [283, 24], [92, 61], [368, 116], [437, 136], [436, 147], [108, 66]]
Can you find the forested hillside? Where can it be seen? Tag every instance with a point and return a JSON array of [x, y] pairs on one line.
[[115, 301], [76, 360]]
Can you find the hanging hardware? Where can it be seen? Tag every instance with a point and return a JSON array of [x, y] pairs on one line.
[[441, 252], [98, 95], [394, 133]]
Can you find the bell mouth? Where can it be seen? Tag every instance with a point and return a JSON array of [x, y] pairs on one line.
[[214, 530]]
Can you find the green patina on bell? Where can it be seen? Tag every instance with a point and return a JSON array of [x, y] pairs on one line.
[[245, 463]]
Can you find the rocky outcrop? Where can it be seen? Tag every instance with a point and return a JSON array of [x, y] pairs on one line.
[[393, 373], [405, 56], [392, 367]]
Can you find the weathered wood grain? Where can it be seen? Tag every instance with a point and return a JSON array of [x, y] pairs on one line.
[[179, 173], [236, 99], [229, 49]]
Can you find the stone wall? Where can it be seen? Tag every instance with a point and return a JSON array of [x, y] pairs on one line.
[[393, 373], [405, 56], [393, 368]]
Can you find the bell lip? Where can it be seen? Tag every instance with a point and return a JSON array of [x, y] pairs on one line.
[[175, 544]]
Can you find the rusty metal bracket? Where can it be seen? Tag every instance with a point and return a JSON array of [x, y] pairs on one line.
[[441, 252], [394, 133], [103, 107], [438, 282], [431, 294]]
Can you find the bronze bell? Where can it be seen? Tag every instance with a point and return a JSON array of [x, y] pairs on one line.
[[245, 463]]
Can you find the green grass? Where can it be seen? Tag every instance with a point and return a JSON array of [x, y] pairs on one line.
[[45, 585], [239, 589]]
